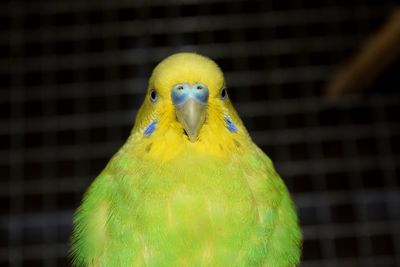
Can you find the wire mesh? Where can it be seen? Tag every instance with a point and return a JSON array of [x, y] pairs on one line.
[[73, 74]]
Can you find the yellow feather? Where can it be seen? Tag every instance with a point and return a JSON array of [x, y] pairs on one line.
[[168, 142], [165, 200]]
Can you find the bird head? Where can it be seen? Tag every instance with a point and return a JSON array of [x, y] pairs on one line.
[[187, 105]]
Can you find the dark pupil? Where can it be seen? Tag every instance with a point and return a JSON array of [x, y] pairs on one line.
[[153, 95], [223, 93]]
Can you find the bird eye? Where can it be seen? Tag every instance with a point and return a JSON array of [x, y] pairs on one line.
[[153, 95], [224, 93]]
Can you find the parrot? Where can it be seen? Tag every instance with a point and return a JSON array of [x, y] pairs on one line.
[[189, 187]]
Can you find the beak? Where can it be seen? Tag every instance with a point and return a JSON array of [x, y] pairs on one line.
[[191, 114]]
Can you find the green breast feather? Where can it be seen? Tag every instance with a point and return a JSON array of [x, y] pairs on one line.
[[210, 213]]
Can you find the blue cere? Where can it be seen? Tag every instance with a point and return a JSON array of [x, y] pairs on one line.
[[150, 128], [200, 92], [182, 92], [230, 125]]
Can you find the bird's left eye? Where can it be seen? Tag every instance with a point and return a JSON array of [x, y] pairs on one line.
[[224, 93], [153, 95]]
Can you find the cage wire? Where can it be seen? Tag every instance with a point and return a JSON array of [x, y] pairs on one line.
[[73, 74]]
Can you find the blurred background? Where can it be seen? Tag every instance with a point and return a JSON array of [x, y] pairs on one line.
[[316, 83]]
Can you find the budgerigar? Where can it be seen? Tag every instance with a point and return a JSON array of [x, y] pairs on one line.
[[189, 187]]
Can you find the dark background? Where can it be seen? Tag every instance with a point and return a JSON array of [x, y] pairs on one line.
[[73, 73]]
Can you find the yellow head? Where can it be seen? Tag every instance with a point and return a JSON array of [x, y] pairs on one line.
[[187, 109]]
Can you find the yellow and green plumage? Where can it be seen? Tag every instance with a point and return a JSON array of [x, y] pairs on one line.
[[176, 197]]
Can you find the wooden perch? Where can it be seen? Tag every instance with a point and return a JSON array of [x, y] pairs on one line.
[[378, 53]]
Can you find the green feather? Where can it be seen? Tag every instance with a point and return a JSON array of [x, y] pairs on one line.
[[165, 200], [211, 213]]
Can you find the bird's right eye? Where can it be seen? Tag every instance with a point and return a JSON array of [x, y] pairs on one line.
[[153, 95]]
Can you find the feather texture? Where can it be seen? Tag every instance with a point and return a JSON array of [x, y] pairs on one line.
[[165, 201]]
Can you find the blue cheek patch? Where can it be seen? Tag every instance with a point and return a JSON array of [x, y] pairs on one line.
[[150, 128], [230, 125]]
